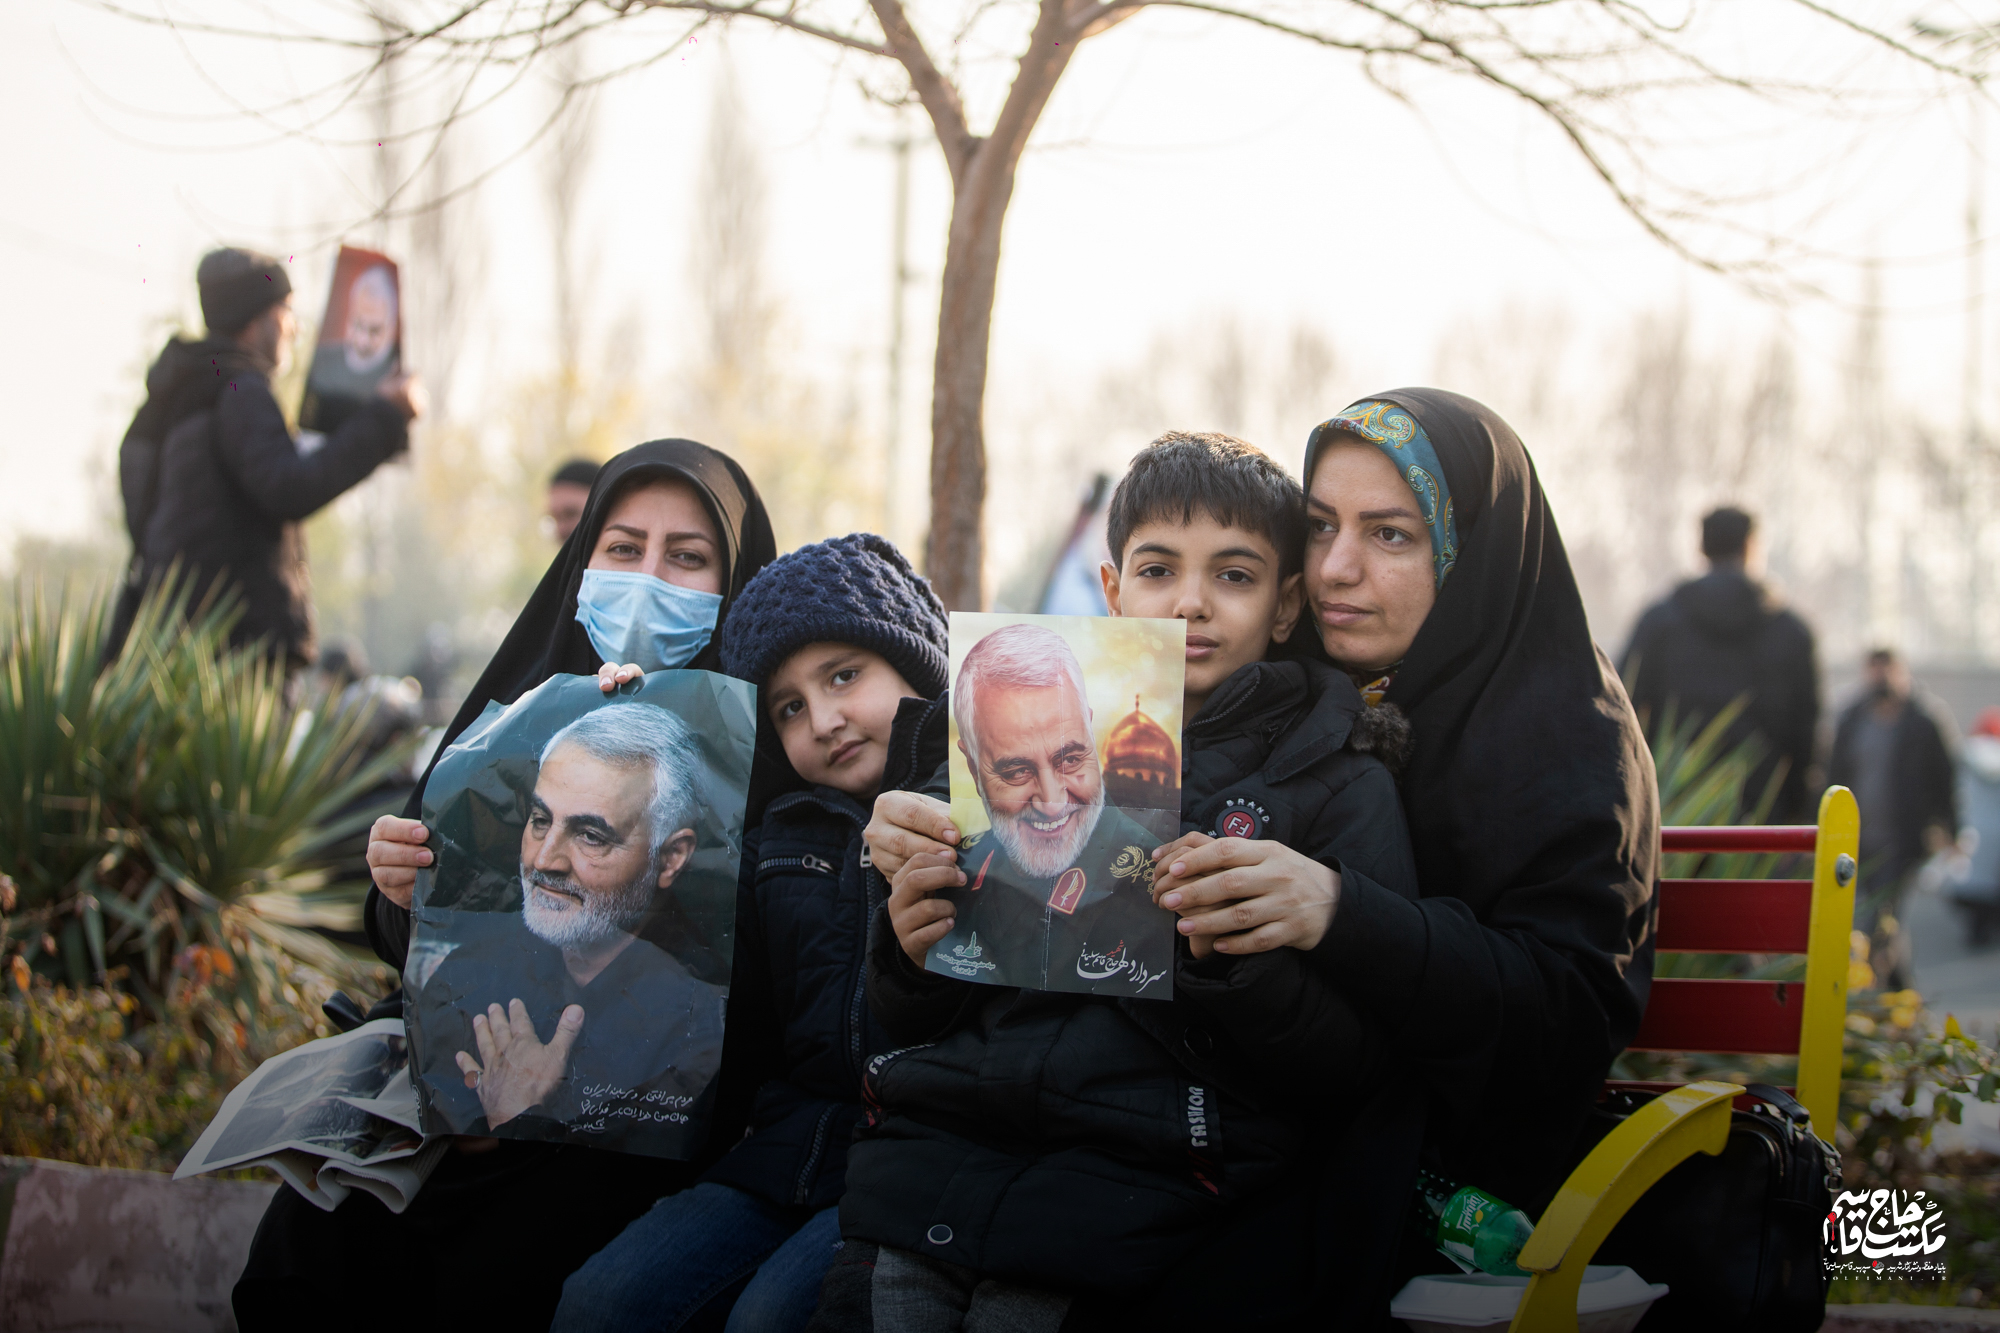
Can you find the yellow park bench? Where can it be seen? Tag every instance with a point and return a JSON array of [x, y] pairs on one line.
[[1810, 917]]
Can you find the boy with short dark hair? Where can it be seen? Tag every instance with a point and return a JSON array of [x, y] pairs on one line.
[[1038, 1158], [837, 637]]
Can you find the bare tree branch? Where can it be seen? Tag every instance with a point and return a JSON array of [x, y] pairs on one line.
[[933, 89], [1039, 68], [755, 9]]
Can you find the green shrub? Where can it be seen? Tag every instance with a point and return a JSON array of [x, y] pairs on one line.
[[170, 799], [80, 1081]]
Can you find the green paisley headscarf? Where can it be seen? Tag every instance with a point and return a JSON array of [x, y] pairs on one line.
[[1397, 434]]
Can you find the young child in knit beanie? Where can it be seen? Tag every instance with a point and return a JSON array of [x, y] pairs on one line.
[[837, 636]]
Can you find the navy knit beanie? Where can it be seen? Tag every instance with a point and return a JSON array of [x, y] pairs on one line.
[[856, 589]]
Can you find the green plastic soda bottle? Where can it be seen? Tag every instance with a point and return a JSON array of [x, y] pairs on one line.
[[1472, 1228]]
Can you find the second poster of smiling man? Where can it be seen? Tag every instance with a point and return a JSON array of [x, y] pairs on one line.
[[1065, 775]]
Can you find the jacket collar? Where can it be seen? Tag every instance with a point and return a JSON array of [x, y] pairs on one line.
[[830, 798], [1269, 697]]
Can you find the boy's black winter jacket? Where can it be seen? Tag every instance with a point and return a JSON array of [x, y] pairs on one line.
[[800, 1033], [1087, 1143]]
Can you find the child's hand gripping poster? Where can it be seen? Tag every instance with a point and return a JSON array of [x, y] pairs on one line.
[[1065, 775], [570, 944]]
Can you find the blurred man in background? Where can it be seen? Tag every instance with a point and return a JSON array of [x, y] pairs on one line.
[[1721, 638], [211, 474], [1894, 754], [568, 489]]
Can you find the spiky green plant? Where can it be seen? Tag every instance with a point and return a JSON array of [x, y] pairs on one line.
[[167, 801]]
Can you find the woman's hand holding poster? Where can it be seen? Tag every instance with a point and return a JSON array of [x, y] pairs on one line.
[[1065, 775], [570, 945]]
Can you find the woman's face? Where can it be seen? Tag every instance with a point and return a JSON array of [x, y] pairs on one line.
[[1369, 578], [662, 529]]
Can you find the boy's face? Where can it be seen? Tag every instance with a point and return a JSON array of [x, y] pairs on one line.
[[1223, 581], [833, 705]]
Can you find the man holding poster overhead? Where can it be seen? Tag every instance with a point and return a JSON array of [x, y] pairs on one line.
[[214, 480], [1058, 890]]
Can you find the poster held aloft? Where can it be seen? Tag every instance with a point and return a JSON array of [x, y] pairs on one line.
[[1065, 775], [570, 946], [360, 340]]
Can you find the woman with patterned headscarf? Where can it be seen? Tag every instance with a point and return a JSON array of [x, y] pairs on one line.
[[1440, 585]]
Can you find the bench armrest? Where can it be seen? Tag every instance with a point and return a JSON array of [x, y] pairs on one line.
[[1649, 1143]]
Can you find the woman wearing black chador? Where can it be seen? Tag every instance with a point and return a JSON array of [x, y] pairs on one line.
[[671, 533]]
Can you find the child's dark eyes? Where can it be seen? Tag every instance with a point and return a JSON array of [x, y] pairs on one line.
[[1237, 576], [787, 710], [1155, 572], [846, 675]]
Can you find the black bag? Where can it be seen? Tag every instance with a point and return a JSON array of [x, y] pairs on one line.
[[1739, 1238]]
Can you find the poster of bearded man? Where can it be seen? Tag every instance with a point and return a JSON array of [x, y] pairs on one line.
[[571, 942], [1065, 775], [360, 340]]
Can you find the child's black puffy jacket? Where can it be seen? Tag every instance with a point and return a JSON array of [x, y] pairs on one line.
[[1090, 1144], [800, 1032]]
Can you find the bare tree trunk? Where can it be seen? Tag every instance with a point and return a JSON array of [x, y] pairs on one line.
[[955, 549], [982, 177]]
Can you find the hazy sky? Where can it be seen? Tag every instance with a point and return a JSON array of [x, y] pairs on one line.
[[1188, 168]]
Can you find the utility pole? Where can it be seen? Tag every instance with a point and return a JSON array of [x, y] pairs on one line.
[[895, 508], [1974, 452], [899, 292]]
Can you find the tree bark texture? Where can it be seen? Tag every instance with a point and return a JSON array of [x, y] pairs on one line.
[[982, 172]]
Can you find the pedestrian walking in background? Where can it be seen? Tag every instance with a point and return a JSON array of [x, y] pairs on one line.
[[1723, 637], [211, 474], [1895, 755]]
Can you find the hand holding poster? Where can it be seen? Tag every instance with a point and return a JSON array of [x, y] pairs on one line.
[[360, 340], [1062, 790], [569, 958]]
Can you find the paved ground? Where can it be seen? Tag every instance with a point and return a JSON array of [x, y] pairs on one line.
[[1953, 977], [1957, 979]]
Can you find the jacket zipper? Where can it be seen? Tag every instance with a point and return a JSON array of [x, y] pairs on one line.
[[802, 1189], [803, 1186], [806, 862], [860, 998]]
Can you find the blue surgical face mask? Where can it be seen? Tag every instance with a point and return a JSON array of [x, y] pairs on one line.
[[647, 621]]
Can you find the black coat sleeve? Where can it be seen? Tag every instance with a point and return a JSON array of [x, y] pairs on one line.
[[1287, 1015], [255, 448], [912, 1005], [1797, 730], [388, 928], [1498, 1017], [1937, 774]]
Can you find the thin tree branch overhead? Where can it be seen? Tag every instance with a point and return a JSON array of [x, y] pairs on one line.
[[940, 98]]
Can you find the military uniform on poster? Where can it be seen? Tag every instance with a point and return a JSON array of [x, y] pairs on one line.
[[1094, 928]]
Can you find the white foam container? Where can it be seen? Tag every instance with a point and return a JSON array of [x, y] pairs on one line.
[[1609, 1300]]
